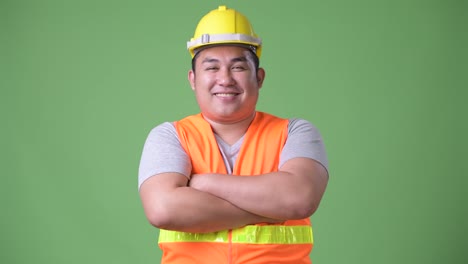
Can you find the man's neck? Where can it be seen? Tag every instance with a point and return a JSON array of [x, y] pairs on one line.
[[231, 132]]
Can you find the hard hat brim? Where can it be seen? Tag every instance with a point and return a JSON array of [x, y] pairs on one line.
[[208, 40]]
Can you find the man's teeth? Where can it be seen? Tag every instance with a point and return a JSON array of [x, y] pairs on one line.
[[225, 94]]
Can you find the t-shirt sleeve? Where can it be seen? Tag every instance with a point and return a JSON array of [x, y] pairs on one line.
[[304, 140], [162, 152]]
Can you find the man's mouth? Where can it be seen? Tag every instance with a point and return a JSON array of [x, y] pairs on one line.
[[225, 94]]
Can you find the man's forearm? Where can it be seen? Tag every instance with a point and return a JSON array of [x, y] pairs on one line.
[[202, 212], [256, 194], [293, 193], [189, 210]]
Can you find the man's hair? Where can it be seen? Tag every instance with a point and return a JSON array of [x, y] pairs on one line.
[[254, 57]]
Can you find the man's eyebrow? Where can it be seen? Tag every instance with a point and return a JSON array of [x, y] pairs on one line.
[[243, 58], [209, 60]]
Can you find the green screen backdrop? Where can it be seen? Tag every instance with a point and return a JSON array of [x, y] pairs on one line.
[[83, 82]]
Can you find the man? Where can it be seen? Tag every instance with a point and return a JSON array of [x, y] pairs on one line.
[[231, 184]]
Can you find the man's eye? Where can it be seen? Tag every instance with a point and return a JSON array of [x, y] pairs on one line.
[[238, 68], [212, 68]]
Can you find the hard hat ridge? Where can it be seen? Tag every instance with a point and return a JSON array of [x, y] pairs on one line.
[[224, 26]]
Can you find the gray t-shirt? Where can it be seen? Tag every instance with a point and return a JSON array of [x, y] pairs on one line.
[[163, 151]]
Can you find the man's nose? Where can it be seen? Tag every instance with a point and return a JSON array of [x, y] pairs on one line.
[[225, 77]]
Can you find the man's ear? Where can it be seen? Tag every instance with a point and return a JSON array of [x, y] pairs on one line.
[[191, 79], [260, 77]]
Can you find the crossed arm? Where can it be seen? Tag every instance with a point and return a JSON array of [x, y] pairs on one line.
[[214, 202]]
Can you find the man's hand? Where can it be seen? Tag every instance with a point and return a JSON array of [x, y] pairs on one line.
[[199, 181]]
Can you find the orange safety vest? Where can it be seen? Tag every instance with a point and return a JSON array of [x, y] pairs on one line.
[[289, 242]]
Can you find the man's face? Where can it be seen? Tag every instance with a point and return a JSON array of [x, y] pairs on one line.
[[226, 84]]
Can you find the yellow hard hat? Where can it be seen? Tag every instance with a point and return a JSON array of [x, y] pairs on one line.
[[224, 26]]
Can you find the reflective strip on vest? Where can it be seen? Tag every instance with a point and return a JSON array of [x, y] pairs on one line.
[[252, 234], [167, 236]]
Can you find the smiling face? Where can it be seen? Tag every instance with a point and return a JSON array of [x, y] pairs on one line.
[[226, 83]]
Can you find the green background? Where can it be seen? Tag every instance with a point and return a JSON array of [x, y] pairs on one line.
[[83, 82]]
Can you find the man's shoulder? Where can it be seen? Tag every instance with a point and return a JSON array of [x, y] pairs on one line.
[[295, 121], [300, 125], [164, 126], [165, 129], [295, 124]]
